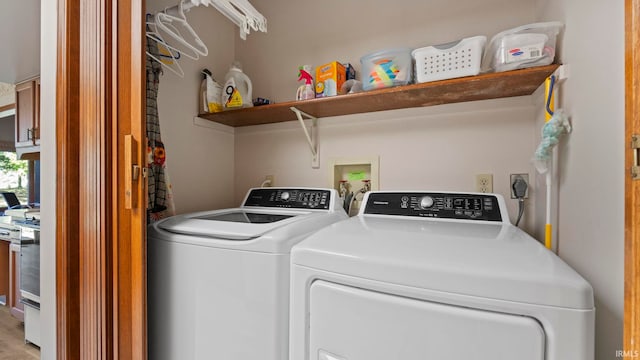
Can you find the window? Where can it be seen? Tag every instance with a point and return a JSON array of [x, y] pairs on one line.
[[21, 177]]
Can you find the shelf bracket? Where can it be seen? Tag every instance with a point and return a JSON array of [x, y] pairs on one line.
[[562, 72], [312, 137]]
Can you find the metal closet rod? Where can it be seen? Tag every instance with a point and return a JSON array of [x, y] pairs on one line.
[[241, 13]]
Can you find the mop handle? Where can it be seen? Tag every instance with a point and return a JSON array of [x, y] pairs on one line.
[[548, 113], [548, 227]]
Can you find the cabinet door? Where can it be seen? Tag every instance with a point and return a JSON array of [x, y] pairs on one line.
[[4, 269], [15, 306], [25, 114], [36, 113]]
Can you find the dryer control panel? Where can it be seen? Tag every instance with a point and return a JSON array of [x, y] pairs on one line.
[[294, 198], [435, 205]]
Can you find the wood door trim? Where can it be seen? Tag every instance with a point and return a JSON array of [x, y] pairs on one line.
[[632, 188], [100, 247], [129, 248], [67, 184], [95, 187]]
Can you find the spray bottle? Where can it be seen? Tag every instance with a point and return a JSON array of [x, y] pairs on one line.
[[305, 91]]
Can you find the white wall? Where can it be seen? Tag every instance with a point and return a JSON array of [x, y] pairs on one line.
[[48, 52], [7, 94], [436, 148], [317, 32], [591, 158], [20, 40], [200, 159], [430, 148]]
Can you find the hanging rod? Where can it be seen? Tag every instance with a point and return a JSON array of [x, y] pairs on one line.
[[240, 12], [175, 10]]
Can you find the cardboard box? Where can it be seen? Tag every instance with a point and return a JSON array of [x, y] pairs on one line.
[[351, 72], [329, 79]]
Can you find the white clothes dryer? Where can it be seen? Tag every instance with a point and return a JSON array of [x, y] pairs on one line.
[[420, 275], [218, 281]]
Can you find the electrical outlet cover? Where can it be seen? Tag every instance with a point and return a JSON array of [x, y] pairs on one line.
[[512, 179], [484, 183], [270, 179]]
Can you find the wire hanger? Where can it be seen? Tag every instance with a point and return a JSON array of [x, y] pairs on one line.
[[154, 34], [177, 70], [167, 20], [170, 60]]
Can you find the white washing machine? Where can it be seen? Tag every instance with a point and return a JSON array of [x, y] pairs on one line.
[[218, 281], [444, 276]]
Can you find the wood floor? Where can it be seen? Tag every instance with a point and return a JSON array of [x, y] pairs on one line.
[[12, 346]]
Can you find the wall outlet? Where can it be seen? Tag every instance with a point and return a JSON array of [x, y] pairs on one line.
[[513, 178], [484, 183], [269, 181]]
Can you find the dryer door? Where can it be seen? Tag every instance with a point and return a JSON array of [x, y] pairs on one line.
[[348, 323]]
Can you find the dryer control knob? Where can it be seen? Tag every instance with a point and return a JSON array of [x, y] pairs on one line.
[[285, 196], [426, 202]]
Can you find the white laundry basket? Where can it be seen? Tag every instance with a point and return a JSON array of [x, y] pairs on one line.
[[451, 60]]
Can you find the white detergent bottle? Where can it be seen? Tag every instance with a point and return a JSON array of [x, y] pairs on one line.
[[237, 89]]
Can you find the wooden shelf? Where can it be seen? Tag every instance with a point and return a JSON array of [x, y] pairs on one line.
[[481, 87]]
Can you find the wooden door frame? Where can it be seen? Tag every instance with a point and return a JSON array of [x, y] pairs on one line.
[[67, 181], [100, 244], [632, 188]]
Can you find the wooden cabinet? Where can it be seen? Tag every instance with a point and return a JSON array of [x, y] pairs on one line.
[[28, 113], [4, 269], [36, 119], [15, 306]]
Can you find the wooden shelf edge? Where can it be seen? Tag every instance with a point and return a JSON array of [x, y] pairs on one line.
[[7, 107], [482, 87]]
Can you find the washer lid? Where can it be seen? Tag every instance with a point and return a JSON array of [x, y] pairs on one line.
[[489, 260], [230, 224]]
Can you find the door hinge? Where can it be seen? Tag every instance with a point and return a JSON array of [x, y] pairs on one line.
[[635, 166]]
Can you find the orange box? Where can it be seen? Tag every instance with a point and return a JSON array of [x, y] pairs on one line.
[[329, 79]]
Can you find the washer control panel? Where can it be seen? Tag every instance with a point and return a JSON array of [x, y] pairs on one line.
[[289, 198], [435, 205]]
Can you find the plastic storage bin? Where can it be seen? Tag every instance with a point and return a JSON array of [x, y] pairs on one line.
[[451, 60], [522, 47], [386, 68]]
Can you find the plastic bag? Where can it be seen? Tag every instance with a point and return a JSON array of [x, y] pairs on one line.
[[214, 91], [522, 47]]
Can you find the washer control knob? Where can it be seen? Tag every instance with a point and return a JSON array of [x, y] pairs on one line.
[[426, 202], [285, 196]]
